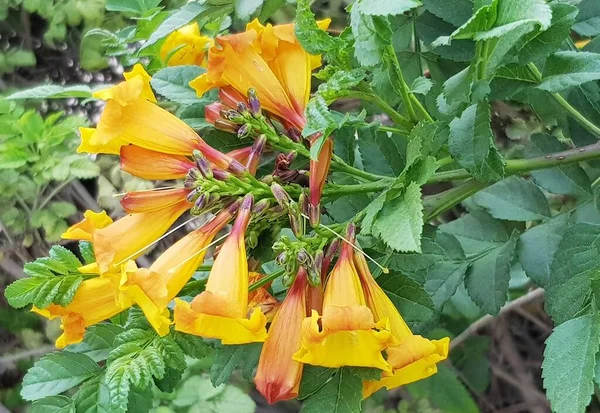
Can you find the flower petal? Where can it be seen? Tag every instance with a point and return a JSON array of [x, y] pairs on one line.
[[91, 222], [153, 165], [136, 202], [185, 46], [128, 237]]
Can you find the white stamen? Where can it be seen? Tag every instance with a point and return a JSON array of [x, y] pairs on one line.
[[381, 267], [147, 190], [154, 242], [199, 252]]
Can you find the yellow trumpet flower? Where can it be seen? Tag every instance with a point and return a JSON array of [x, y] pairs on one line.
[[185, 46], [413, 357], [221, 311], [278, 375], [348, 334]]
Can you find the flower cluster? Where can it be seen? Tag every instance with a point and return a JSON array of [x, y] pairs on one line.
[[328, 318]]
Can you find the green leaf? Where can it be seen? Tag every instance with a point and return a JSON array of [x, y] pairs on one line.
[[131, 6], [93, 397], [196, 389], [56, 373], [511, 79], [313, 380], [86, 249], [98, 341], [65, 257], [53, 92], [231, 400], [244, 9], [487, 278], [471, 143], [53, 404], [565, 180], [171, 353], [441, 266], [538, 245], [431, 27], [577, 259], [183, 16], [445, 390], [514, 199], [311, 37], [341, 394], [385, 7], [421, 85], [539, 44], [341, 80], [227, 358], [408, 296], [588, 20], [319, 120], [568, 366], [381, 152], [399, 223], [192, 346], [566, 69], [455, 12], [173, 83], [371, 35]]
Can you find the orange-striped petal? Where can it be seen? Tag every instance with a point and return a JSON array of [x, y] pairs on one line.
[[136, 202], [153, 165], [278, 375], [128, 237]]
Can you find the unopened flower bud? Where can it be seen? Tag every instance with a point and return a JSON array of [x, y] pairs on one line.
[[202, 201], [194, 174], [332, 249], [294, 134], [260, 207], [281, 196], [281, 258], [242, 108], [314, 214], [243, 131], [232, 115], [296, 219], [302, 257], [214, 197], [351, 232], [221, 175], [192, 196], [236, 167], [253, 102], [247, 202], [225, 125], [202, 164], [251, 239], [303, 203], [189, 182]]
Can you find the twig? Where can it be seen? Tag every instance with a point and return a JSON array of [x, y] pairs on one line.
[[84, 196], [486, 319], [12, 268], [40, 351], [523, 381]]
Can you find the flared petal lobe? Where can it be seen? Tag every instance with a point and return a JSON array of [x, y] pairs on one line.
[[412, 357], [348, 334], [262, 298], [221, 310], [84, 230], [185, 46], [278, 375], [268, 59], [128, 237], [94, 301]]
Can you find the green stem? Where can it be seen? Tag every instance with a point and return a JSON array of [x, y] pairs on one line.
[[404, 91], [583, 121], [339, 165], [483, 49], [421, 108], [265, 280], [521, 166], [383, 105], [435, 205], [55, 192], [399, 131], [333, 190]]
